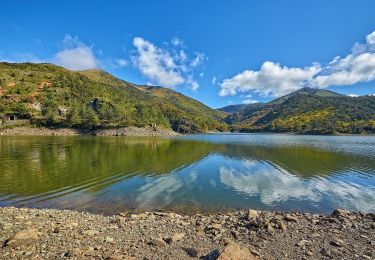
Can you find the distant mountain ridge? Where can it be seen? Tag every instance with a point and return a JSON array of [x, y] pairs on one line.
[[232, 108], [308, 110]]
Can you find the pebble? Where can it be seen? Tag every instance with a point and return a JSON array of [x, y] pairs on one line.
[[91, 232], [337, 243], [157, 242]]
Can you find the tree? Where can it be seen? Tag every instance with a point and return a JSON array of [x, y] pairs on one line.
[[89, 118], [74, 118]]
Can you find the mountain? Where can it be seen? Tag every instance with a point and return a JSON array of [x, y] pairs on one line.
[[231, 109], [308, 111], [49, 95]]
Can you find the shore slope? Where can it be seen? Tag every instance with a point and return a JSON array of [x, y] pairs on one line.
[[62, 234]]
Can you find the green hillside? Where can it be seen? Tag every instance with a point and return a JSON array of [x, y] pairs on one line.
[[309, 111], [50, 95]]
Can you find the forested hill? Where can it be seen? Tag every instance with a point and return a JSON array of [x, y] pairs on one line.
[[308, 111], [49, 95]]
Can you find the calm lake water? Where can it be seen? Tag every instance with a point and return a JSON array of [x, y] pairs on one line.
[[205, 172]]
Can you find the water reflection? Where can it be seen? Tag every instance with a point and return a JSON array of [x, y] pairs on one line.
[[266, 172]]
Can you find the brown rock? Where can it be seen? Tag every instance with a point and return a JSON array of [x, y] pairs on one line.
[[176, 237], [251, 214], [340, 213], [290, 218], [157, 242], [24, 237], [235, 252]]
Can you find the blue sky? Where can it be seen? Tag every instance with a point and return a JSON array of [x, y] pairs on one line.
[[219, 52]]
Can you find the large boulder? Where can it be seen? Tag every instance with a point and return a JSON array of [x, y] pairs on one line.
[[233, 251]]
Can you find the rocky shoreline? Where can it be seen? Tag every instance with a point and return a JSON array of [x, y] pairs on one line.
[[63, 234], [125, 131]]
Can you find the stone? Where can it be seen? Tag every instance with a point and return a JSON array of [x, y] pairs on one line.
[[290, 218], [302, 243], [337, 243], [282, 226], [24, 237], [251, 214], [235, 234], [254, 252], [235, 252], [71, 225], [325, 252], [215, 226], [91, 232], [157, 242], [108, 239], [340, 213], [191, 251], [176, 237]]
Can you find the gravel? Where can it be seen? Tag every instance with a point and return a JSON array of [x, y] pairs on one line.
[[63, 234]]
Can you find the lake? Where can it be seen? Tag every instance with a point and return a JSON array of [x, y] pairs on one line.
[[196, 172]]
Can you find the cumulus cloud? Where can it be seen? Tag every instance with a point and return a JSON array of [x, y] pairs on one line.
[[272, 79], [249, 101], [166, 67], [75, 55]]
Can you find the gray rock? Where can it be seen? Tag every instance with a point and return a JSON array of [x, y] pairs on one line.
[[337, 243], [191, 251]]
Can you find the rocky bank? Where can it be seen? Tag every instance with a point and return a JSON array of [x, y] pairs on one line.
[[125, 131], [62, 234]]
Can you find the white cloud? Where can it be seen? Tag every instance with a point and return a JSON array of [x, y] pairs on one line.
[[75, 55], [201, 74], [166, 67], [156, 63], [177, 41], [270, 80], [121, 62], [199, 58], [249, 101], [275, 80], [353, 95], [213, 81], [349, 70], [194, 86]]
